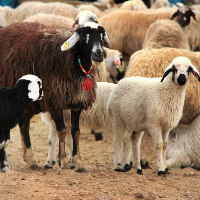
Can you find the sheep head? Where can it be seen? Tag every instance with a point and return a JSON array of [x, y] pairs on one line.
[[183, 15], [84, 17], [91, 37], [34, 86], [180, 68]]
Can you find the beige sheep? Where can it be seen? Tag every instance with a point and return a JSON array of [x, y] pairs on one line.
[[127, 29], [51, 19], [165, 33], [27, 9], [161, 4], [133, 5], [92, 8]]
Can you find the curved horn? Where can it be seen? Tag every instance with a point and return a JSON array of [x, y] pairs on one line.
[[106, 42], [70, 42], [194, 71], [167, 71]]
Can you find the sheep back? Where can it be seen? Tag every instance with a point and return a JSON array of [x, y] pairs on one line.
[[165, 33], [31, 47]]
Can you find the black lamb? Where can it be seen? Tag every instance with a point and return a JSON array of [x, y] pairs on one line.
[[13, 102]]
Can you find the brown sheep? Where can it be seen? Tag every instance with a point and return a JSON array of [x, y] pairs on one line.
[[32, 47]]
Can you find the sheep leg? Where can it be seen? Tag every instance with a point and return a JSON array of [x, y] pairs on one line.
[[158, 144], [24, 124], [69, 143], [75, 131], [165, 142], [126, 154], [136, 141], [53, 140], [3, 151], [4, 160], [118, 145], [61, 131]]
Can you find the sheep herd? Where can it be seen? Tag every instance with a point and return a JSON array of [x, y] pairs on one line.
[[125, 69]]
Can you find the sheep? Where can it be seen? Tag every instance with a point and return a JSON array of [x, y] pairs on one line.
[[183, 147], [51, 19], [113, 63], [92, 8], [183, 14], [133, 5], [84, 17], [94, 119], [132, 31], [152, 62], [156, 106], [165, 33], [22, 12], [160, 4], [41, 48], [13, 102]]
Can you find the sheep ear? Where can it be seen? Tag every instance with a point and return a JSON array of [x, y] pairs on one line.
[[175, 14], [193, 15], [167, 71], [106, 42], [70, 42], [194, 71], [33, 89]]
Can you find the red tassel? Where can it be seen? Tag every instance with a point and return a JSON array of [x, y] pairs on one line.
[[87, 85]]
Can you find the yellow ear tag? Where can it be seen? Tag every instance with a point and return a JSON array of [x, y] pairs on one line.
[[66, 45], [97, 20], [120, 68]]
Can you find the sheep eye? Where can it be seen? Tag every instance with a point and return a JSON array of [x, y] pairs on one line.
[[83, 37]]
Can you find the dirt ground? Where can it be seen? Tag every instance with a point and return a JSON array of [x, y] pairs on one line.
[[100, 182]]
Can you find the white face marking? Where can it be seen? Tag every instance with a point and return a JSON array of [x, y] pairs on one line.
[[184, 18], [33, 87], [91, 24], [87, 38], [2, 144], [101, 36]]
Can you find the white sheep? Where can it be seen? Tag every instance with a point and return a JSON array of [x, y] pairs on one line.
[[183, 147], [85, 16], [150, 63], [94, 119], [23, 11], [13, 102], [139, 104]]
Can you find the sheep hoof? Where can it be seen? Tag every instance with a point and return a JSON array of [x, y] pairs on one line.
[[127, 167], [5, 168], [161, 173], [98, 136], [81, 170], [166, 171], [119, 170], [139, 171], [145, 165], [49, 164], [34, 167], [131, 164]]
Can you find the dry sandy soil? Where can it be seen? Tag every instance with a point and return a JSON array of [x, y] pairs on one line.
[[100, 182]]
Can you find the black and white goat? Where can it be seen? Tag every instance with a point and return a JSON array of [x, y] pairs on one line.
[[13, 102]]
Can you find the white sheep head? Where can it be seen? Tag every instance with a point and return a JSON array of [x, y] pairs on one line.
[[84, 17], [180, 68]]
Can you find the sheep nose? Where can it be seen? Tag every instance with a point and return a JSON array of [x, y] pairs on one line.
[[181, 79], [99, 53]]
